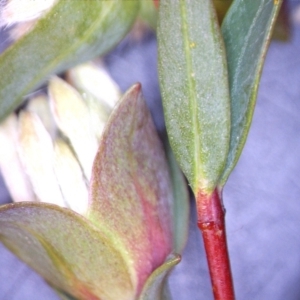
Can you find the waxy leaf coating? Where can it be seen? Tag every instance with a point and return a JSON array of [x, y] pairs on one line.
[[71, 33], [247, 30], [195, 91]]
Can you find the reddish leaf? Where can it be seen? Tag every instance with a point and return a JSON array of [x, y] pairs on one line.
[[130, 188]]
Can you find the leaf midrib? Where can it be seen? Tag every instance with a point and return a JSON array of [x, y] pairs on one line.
[[235, 149], [195, 130], [235, 131]]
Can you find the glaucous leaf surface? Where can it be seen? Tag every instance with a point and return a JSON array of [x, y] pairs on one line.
[[195, 91], [247, 30], [67, 250], [130, 190], [71, 33]]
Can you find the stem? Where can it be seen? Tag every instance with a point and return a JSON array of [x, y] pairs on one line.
[[211, 222]]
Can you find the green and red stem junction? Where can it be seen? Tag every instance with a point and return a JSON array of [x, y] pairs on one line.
[[211, 222]]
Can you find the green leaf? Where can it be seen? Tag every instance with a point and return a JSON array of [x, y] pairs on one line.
[[71, 33], [148, 13], [194, 86], [156, 286], [69, 252], [247, 30], [130, 190], [181, 204]]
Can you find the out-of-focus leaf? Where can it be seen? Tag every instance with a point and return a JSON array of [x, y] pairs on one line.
[[130, 190], [72, 32], [70, 177], [282, 25], [36, 153], [148, 13], [247, 30], [39, 106], [11, 167], [195, 92], [95, 80], [156, 287], [98, 90], [69, 252], [72, 117], [181, 204]]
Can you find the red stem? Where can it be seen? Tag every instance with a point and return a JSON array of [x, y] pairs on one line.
[[211, 222]]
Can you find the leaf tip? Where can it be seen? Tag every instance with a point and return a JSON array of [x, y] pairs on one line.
[[137, 88]]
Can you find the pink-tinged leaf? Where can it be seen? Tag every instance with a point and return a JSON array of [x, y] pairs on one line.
[[67, 250], [130, 192]]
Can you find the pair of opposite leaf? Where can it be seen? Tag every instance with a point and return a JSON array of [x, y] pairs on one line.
[[208, 102], [125, 242], [209, 79]]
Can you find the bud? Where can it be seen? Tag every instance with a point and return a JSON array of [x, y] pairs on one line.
[[86, 79], [72, 117], [11, 166], [37, 156]]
